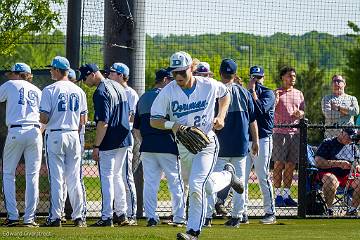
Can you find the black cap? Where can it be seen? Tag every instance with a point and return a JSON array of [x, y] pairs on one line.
[[162, 73], [86, 69]]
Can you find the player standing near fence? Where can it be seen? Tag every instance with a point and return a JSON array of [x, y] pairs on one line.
[[112, 140], [158, 153], [63, 109], [264, 104], [190, 101], [234, 137], [120, 72], [24, 137]]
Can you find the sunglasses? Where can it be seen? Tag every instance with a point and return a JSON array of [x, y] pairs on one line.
[[182, 73], [257, 77], [337, 80]]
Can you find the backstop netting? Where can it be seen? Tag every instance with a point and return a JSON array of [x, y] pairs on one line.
[[311, 36]]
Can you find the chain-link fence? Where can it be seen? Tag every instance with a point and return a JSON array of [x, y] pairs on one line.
[[310, 35]]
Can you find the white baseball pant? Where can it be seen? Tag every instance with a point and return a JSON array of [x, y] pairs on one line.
[[202, 180], [239, 164], [63, 152], [110, 165], [27, 140], [153, 165], [261, 166]]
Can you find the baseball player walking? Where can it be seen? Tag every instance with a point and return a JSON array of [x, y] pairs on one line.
[[158, 153], [264, 103], [112, 140], [234, 137], [24, 137], [190, 101], [120, 73], [63, 109]]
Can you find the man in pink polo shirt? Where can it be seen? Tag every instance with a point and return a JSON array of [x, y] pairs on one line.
[[289, 110]]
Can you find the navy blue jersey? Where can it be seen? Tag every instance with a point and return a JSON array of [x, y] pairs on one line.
[[332, 149], [111, 106], [153, 140], [264, 110], [234, 137]]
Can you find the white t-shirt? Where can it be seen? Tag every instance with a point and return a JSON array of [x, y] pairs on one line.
[[64, 102], [197, 109], [132, 98], [22, 102]]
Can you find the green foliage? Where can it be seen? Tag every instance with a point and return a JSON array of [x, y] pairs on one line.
[[311, 83], [20, 17], [352, 70], [266, 51]]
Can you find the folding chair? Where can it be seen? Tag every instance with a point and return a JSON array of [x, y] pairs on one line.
[[343, 197], [315, 203]]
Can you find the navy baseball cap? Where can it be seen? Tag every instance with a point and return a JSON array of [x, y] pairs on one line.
[[86, 69], [257, 71], [228, 66], [203, 67], [162, 73], [21, 67], [60, 63], [120, 68]]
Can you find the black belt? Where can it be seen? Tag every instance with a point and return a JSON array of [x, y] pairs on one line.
[[29, 125], [59, 129]]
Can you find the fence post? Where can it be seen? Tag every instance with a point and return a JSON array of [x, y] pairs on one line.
[[73, 32], [302, 168]]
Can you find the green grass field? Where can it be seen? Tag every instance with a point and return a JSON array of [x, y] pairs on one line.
[[284, 229]]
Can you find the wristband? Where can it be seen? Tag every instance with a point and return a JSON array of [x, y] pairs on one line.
[[169, 125], [95, 146]]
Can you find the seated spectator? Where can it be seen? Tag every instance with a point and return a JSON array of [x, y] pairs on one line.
[[334, 159], [338, 107]]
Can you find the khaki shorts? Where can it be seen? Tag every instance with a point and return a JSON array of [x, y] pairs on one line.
[[286, 147]]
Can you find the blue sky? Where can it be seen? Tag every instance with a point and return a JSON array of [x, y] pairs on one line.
[[260, 17]]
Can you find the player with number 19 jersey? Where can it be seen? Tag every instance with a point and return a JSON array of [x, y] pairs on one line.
[[190, 108], [22, 102]]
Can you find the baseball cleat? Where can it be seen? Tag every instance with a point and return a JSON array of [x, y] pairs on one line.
[[151, 222], [79, 223], [244, 219], [10, 223], [103, 223], [121, 220], [189, 235], [207, 222], [268, 219], [236, 183], [233, 222], [49, 223], [32, 224]]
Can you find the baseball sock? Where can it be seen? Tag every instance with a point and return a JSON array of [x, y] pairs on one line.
[[278, 191], [286, 192]]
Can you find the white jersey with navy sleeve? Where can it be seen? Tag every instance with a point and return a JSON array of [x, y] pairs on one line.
[[22, 102], [60, 100], [190, 110]]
